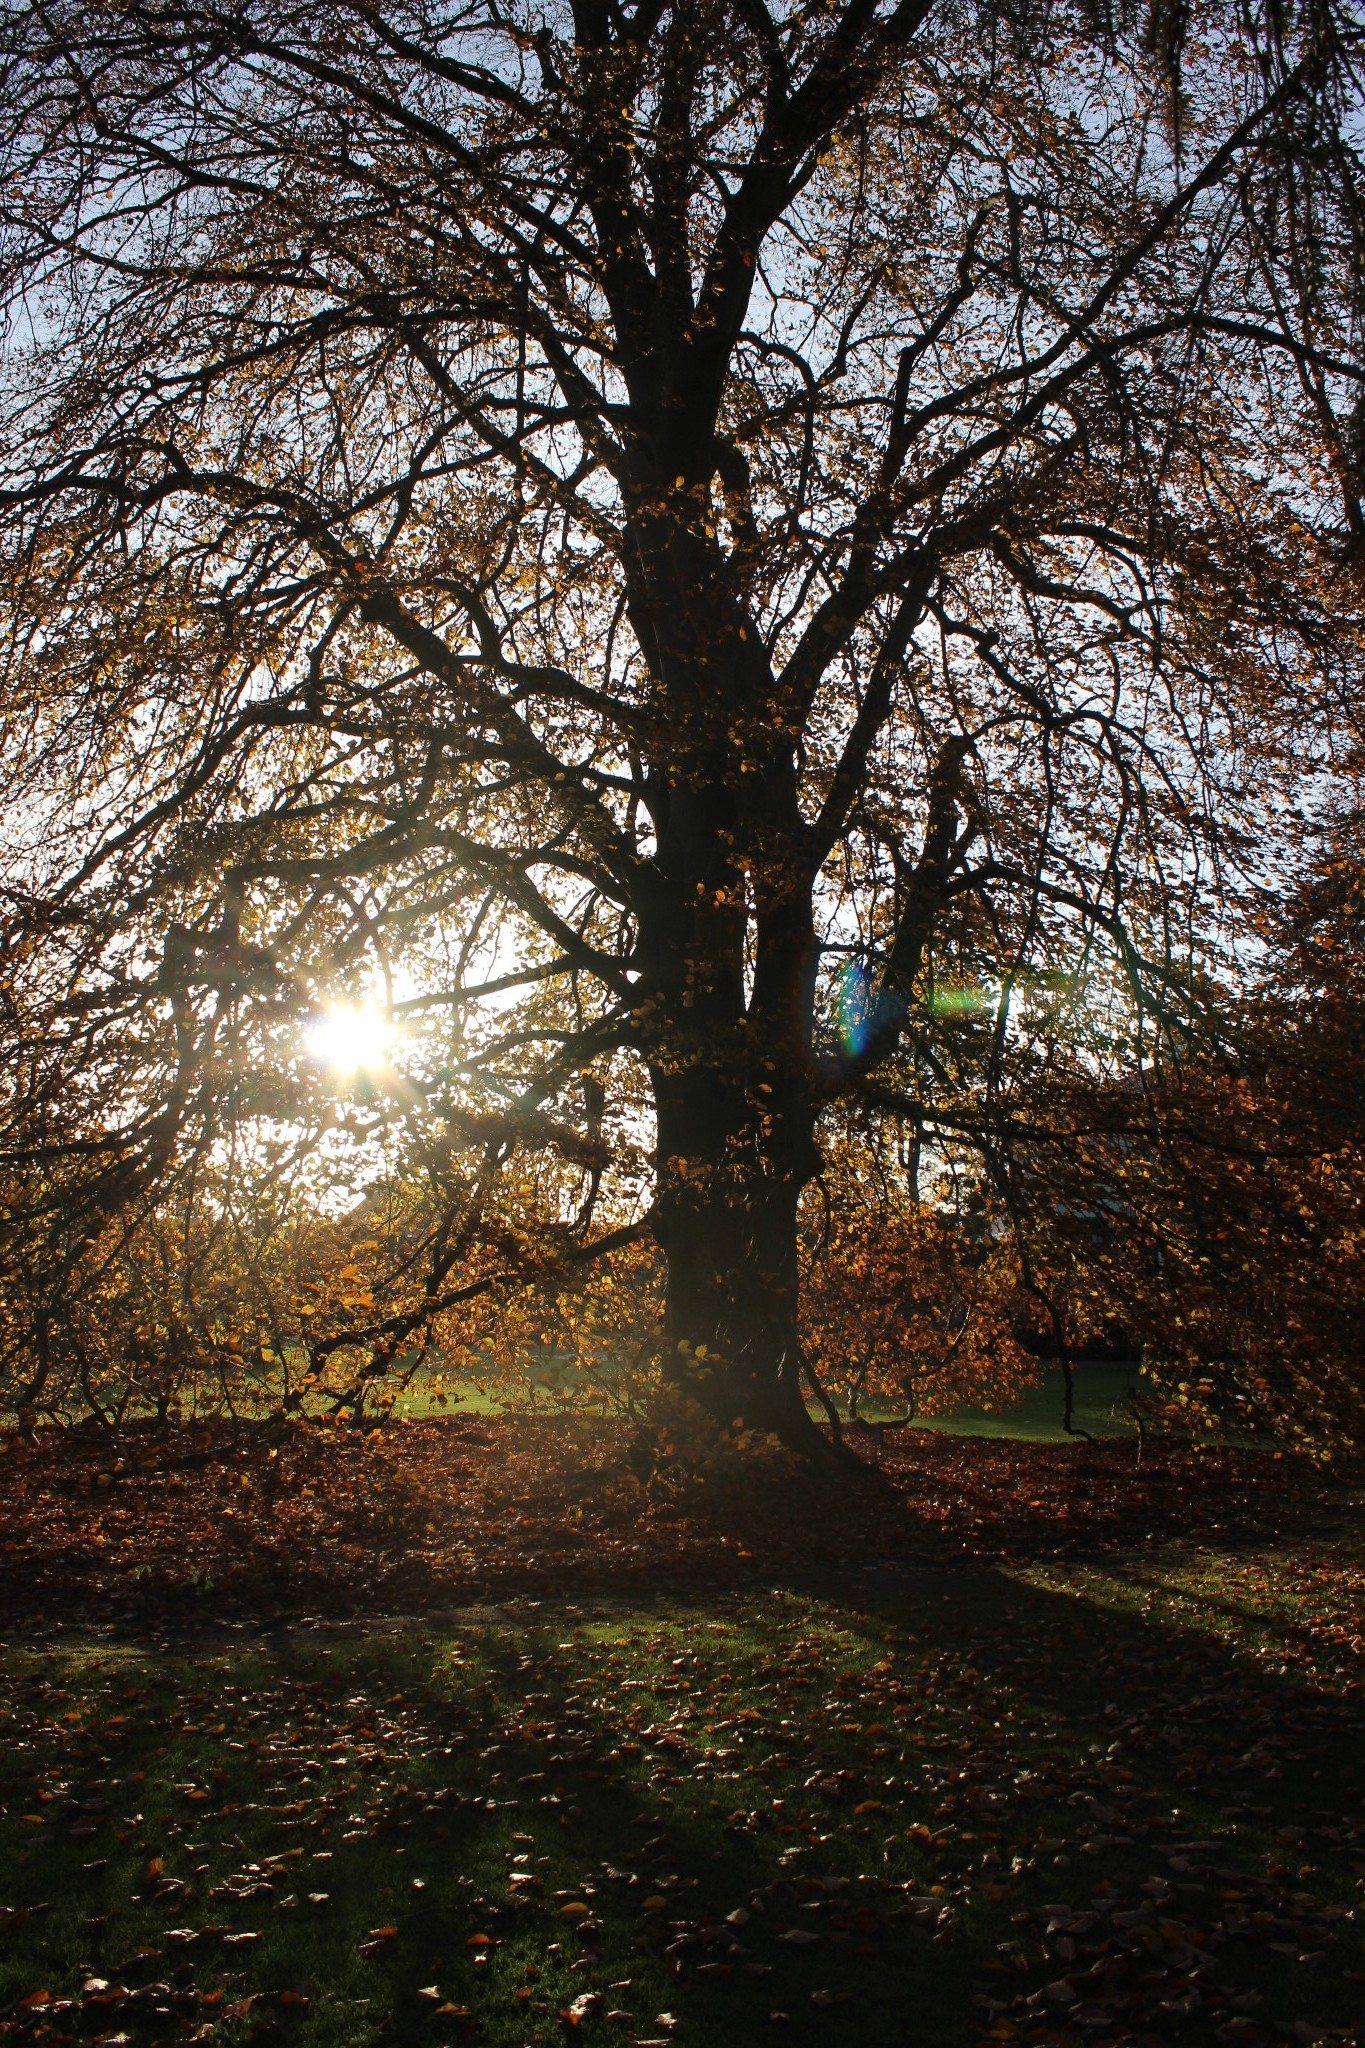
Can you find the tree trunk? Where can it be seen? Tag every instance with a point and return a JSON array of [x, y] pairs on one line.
[[732, 1336], [734, 1102], [730, 1175]]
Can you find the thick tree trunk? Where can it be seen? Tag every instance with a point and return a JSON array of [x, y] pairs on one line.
[[733, 1093], [730, 1175]]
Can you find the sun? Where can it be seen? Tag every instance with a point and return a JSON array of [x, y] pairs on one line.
[[352, 1040]]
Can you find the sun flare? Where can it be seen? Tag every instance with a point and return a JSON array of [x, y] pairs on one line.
[[352, 1040]]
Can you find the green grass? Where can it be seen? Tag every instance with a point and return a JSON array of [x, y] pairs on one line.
[[1101, 1404], [421, 1402], [925, 1771], [1101, 1407]]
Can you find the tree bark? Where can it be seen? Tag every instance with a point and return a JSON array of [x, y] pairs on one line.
[[730, 1177], [735, 1112]]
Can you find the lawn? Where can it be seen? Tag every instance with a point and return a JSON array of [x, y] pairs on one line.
[[1090, 1793], [1101, 1405]]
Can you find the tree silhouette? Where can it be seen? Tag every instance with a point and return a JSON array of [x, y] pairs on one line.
[[764, 567]]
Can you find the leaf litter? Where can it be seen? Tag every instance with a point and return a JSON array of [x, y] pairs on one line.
[[999, 1795], [261, 1522]]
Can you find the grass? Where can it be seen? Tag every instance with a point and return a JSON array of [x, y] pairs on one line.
[[1101, 1403], [999, 1800], [1101, 1407]]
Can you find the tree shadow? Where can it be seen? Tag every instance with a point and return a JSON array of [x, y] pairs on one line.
[[1004, 1809]]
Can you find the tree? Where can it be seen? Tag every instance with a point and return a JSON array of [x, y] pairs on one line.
[[768, 559]]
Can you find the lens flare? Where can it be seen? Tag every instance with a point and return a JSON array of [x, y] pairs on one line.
[[855, 1009]]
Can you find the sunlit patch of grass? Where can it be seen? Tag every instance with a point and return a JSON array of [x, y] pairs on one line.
[[1287, 1606]]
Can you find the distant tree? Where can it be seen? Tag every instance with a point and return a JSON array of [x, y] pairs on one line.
[[1252, 1287], [1207, 1211], [753, 570]]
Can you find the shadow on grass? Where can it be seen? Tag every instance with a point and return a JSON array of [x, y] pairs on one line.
[[437, 1513], [928, 1806]]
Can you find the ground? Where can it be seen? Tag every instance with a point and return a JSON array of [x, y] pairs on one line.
[[463, 1735]]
